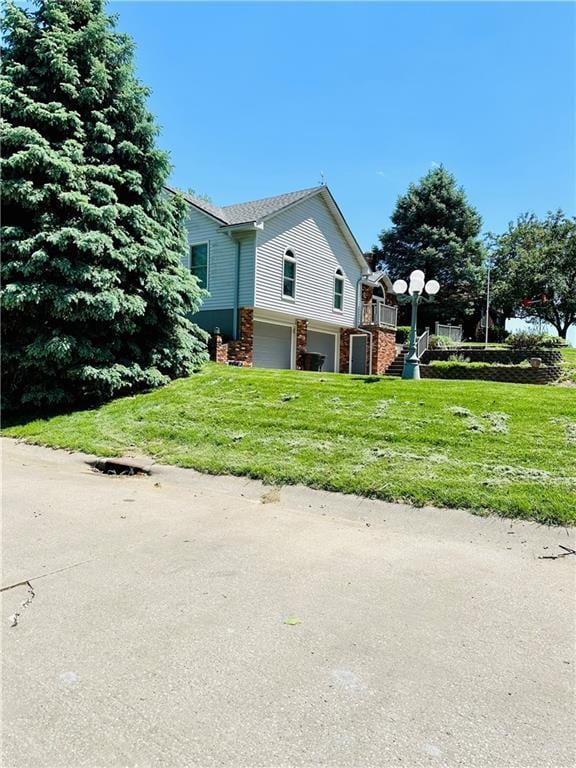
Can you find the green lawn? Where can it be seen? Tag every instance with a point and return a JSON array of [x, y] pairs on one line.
[[569, 365], [505, 448]]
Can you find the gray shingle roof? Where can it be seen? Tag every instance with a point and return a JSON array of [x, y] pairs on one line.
[[241, 213], [258, 209]]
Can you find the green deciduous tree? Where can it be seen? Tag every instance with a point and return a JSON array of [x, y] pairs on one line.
[[436, 230], [534, 272], [95, 300]]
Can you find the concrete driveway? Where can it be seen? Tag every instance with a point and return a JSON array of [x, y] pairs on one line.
[[188, 620]]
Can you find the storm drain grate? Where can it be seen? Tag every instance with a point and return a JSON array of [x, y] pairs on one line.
[[119, 467]]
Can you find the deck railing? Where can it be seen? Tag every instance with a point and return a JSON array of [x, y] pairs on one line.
[[378, 313], [422, 343], [454, 332]]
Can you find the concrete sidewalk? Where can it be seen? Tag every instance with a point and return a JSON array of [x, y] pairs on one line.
[[149, 627]]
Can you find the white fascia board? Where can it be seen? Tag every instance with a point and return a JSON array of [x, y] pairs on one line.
[[378, 277], [247, 226]]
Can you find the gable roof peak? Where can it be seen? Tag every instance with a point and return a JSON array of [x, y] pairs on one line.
[[254, 210]]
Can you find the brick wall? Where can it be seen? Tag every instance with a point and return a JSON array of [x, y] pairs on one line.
[[344, 362], [301, 341], [240, 351], [383, 348], [367, 293]]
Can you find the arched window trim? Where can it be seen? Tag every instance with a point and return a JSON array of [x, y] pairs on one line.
[[338, 291], [289, 275]]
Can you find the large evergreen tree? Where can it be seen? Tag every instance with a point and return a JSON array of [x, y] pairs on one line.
[[95, 300], [436, 230]]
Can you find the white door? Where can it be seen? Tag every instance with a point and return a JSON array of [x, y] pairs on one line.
[[323, 344], [272, 345]]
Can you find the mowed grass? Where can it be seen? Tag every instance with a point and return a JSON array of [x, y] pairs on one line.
[[569, 363], [487, 447]]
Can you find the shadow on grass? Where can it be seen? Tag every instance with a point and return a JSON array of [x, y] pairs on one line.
[[367, 379], [23, 416]]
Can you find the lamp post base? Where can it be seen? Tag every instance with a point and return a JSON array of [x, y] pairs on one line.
[[411, 367]]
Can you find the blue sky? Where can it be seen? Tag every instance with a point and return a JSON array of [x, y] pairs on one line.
[[256, 99]]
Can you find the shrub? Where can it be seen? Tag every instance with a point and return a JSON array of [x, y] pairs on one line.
[[459, 364], [446, 364], [525, 340], [441, 342], [402, 334], [458, 358], [553, 342]]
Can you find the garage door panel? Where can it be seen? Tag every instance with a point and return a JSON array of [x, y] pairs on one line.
[[324, 344], [272, 345]]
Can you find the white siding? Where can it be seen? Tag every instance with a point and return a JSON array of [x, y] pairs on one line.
[[222, 262], [311, 232]]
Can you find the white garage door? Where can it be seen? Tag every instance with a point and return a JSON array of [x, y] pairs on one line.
[[272, 345], [324, 344]]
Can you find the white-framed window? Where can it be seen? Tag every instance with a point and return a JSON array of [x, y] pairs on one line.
[[339, 290], [289, 275], [199, 262]]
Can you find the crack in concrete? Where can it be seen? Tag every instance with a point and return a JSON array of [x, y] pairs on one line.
[[23, 605], [44, 575]]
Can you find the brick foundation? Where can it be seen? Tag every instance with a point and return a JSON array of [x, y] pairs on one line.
[[344, 362], [383, 348], [239, 352], [301, 341]]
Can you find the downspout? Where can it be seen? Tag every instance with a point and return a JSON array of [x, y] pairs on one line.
[[358, 319], [236, 291]]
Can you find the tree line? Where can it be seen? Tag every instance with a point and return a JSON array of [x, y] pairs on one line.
[[531, 266]]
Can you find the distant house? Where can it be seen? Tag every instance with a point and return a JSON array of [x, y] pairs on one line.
[[286, 276]]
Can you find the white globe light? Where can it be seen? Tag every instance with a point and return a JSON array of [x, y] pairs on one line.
[[416, 285], [399, 286], [417, 275], [432, 287]]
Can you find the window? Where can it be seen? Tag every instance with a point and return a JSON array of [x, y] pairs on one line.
[[338, 290], [199, 263], [289, 275]]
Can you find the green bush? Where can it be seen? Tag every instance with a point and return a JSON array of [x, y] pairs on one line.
[[402, 334], [531, 340], [553, 342], [457, 364], [442, 342], [525, 340], [461, 363]]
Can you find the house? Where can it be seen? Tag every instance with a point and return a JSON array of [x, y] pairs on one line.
[[286, 276]]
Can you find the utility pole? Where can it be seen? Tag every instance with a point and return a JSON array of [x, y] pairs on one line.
[[487, 317]]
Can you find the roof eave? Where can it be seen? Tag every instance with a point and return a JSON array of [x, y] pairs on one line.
[[193, 203], [245, 226]]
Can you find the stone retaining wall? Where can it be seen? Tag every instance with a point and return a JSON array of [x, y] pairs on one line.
[[508, 373], [504, 356]]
